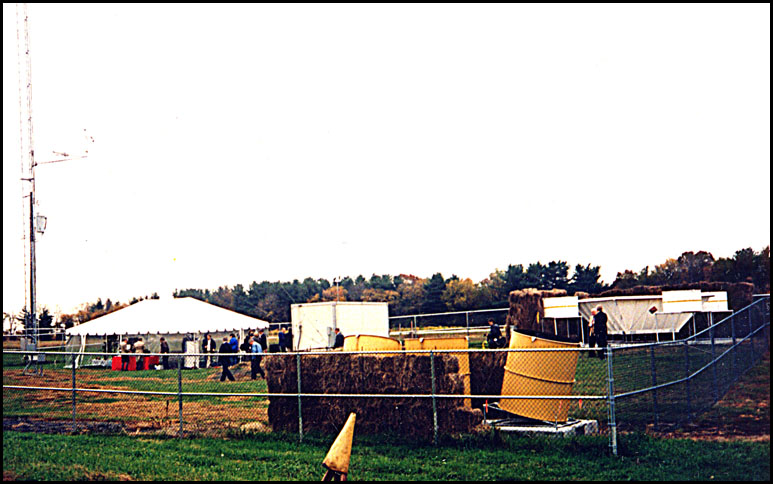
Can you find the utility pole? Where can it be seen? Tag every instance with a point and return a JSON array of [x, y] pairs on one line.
[[33, 287]]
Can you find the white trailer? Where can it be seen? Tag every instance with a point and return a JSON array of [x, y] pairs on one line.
[[314, 324]]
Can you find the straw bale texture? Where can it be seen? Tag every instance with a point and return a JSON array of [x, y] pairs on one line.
[[337, 373], [525, 304]]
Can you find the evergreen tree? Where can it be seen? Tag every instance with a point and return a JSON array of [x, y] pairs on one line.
[[433, 301]]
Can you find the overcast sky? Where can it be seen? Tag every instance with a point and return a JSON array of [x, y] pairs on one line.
[[273, 142]]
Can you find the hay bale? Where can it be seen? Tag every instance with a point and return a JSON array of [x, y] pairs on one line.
[[487, 371], [525, 304], [368, 374]]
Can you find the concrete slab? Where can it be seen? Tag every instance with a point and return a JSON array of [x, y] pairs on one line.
[[572, 427]]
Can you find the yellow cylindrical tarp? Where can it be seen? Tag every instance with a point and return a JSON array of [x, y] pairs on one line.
[[543, 373], [366, 342], [456, 343]]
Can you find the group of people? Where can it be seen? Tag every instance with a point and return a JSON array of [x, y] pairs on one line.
[[255, 343], [285, 339], [597, 333], [127, 349]]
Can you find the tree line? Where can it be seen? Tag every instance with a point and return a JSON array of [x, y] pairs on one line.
[[410, 294]]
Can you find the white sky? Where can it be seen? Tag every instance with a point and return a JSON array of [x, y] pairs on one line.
[[273, 142]]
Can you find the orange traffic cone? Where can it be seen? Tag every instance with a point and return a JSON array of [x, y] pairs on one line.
[[337, 460]]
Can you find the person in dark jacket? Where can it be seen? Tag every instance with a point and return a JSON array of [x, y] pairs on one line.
[[282, 339], [600, 331], [262, 341], [494, 338], [164, 350], [246, 345], [289, 339], [225, 360], [339, 341]]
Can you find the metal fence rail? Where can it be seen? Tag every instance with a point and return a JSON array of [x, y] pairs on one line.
[[627, 387]]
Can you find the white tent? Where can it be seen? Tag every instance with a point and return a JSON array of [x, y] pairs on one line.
[[173, 318], [168, 316]]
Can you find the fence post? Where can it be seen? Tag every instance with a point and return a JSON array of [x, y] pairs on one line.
[[687, 381], [467, 320], [751, 338], [434, 403], [300, 415], [654, 384], [733, 362], [74, 424], [714, 364], [611, 397], [180, 391]]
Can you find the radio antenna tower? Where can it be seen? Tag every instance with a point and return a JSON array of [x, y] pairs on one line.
[[28, 164]]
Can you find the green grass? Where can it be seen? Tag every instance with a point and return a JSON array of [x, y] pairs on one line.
[[281, 457]]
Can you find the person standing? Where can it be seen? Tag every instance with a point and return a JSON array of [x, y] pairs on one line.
[[234, 349], [208, 346], [164, 350], [289, 339], [494, 337], [225, 360], [262, 341], [339, 341], [139, 348], [592, 340], [282, 338], [257, 356], [600, 328], [126, 348]]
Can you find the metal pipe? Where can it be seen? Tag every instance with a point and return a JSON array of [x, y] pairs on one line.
[[300, 415], [74, 423], [714, 367], [687, 379], [434, 401], [611, 394], [315, 395], [654, 384], [180, 391]]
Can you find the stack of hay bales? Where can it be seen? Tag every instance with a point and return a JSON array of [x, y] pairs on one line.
[[337, 373], [487, 371], [526, 304]]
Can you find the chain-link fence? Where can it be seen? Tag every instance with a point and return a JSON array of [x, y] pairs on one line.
[[666, 385], [426, 388]]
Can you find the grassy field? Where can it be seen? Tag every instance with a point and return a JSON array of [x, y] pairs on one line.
[[730, 442], [280, 457], [631, 370]]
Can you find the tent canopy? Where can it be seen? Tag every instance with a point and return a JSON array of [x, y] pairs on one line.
[[168, 316]]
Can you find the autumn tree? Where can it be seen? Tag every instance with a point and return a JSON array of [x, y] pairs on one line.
[[461, 295]]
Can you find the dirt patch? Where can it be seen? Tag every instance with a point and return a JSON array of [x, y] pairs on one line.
[[89, 475], [9, 476], [22, 424]]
